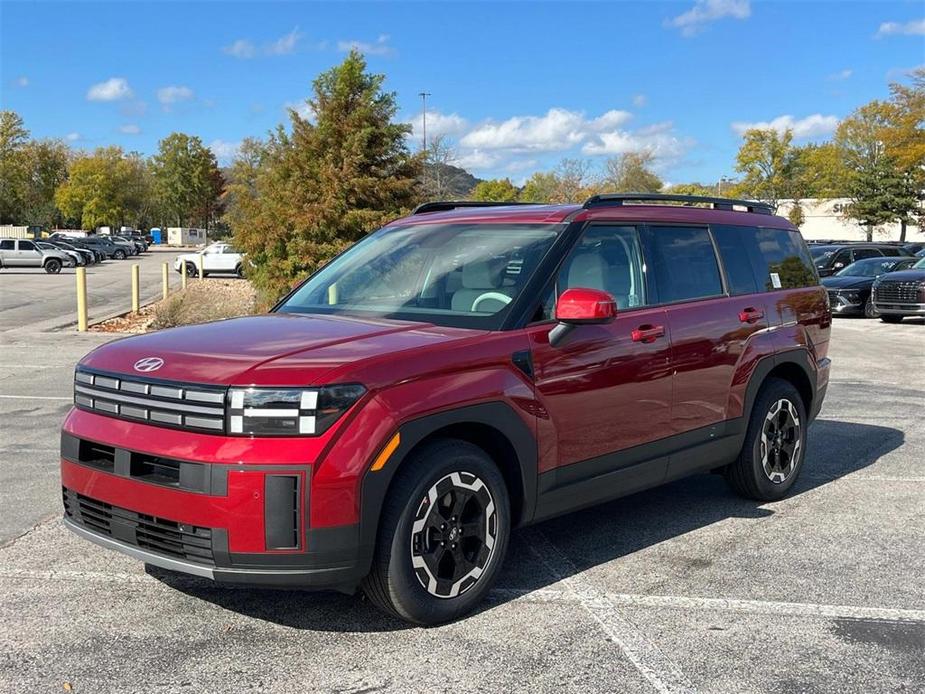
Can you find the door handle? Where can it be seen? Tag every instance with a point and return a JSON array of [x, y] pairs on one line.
[[751, 315], [648, 333]]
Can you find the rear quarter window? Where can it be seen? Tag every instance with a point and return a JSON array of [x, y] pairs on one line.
[[785, 260]]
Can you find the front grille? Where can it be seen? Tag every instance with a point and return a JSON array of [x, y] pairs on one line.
[[178, 405], [898, 292], [167, 537]]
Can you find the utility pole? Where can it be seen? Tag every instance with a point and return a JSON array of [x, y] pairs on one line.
[[424, 96]]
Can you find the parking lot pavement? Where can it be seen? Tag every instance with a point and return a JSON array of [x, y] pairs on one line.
[[682, 588], [32, 300]]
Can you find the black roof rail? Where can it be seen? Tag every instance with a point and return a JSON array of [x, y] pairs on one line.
[[446, 205], [617, 199]]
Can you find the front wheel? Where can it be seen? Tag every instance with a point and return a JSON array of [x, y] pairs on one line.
[[443, 534], [775, 444], [119, 255], [891, 319], [52, 266], [191, 270], [239, 271], [870, 311]]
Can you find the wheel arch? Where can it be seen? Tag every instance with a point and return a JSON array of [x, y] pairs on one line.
[[794, 366], [492, 426]]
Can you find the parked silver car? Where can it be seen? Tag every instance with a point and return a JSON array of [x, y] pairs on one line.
[[77, 259], [25, 253]]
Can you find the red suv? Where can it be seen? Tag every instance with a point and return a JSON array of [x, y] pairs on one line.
[[463, 371]]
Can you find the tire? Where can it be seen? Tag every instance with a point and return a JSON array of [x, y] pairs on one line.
[[239, 271], [119, 254], [769, 464], [891, 319], [52, 266], [191, 270], [437, 586], [869, 310]]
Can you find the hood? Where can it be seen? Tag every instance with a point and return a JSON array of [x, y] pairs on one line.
[[277, 349], [904, 275], [847, 282]]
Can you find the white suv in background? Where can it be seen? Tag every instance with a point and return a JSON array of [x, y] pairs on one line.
[[216, 257]]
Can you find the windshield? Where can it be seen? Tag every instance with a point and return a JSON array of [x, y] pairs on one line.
[[869, 267], [920, 265], [462, 275]]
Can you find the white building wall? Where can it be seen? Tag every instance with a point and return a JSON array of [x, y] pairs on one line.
[[825, 220]]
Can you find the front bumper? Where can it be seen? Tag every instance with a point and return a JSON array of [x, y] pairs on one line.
[[843, 305], [897, 309]]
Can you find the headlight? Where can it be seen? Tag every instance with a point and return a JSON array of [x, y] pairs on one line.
[[288, 411], [851, 297]]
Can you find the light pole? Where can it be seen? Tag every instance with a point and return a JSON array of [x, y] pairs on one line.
[[424, 96], [719, 185]]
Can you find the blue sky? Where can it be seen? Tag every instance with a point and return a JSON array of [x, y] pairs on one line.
[[515, 87]]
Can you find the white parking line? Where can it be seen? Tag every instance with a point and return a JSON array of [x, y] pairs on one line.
[[659, 670], [33, 397]]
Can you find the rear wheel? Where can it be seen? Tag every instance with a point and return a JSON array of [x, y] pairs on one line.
[[52, 266], [443, 534], [870, 310], [891, 319], [775, 444], [119, 254]]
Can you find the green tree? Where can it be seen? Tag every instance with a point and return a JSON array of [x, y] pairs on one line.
[[327, 182], [540, 187], [822, 170], [768, 163], [13, 138], [103, 188], [187, 181], [495, 190], [796, 215], [44, 165], [632, 172]]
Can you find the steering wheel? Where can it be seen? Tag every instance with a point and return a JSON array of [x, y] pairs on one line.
[[497, 296]]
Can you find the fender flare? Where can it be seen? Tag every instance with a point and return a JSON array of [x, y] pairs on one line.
[[498, 415], [799, 357]]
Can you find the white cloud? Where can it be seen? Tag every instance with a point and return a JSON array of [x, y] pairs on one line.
[[558, 130], [704, 12], [284, 44], [224, 151], [477, 159], [72, 137], [21, 81], [660, 139], [113, 89], [640, 100], [129, 129], [242, 48], [303, 108], [438, 124], [173, 94], [841, 75], [379, 47], [814, 125], [915, 27]]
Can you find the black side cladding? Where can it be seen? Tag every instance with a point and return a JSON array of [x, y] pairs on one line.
[[281, 511]]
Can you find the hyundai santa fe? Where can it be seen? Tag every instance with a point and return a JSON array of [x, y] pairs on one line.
[[465, 370]]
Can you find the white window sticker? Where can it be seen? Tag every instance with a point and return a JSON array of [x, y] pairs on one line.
[[775, 280]]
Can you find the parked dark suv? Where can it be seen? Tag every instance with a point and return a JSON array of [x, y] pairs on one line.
[[901, 294], [830, 258], [463, 371]]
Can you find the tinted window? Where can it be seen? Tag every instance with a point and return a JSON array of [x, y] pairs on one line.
[[890, 251], [684, 264], [861, 253], [783, 261], [26, 246], [733, 245], [7, 245]]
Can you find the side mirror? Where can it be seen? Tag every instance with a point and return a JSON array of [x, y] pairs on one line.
[[580, 306]]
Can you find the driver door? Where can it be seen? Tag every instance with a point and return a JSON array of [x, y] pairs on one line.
[[606, 389]]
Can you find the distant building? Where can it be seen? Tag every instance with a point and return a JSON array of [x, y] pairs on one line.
[[825, 219], [182, 236]]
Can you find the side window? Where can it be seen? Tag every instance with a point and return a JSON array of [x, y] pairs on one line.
[[607, 258], [7, 245], [784, 262], [733, 244], [684, 264], [892, 252], [861, 253], [843, 257], [26, 246]]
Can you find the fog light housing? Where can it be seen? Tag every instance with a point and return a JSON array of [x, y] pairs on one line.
[[288, 411]]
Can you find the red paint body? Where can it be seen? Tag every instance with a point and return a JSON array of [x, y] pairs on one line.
[[648, 373]]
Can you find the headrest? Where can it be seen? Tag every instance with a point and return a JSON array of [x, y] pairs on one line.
[[480, 275], [587, 270]]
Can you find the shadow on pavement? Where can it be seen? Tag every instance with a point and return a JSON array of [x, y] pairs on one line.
[[607, 532]]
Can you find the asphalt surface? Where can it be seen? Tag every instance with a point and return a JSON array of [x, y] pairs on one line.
[[682, 588], [32, 300]]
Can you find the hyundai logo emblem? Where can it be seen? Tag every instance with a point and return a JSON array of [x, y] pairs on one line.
[[149, 364]]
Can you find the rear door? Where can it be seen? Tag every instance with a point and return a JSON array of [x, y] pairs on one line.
[[710, 326]]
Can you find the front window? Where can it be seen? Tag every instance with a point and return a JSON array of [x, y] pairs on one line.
[[870, 267], [462, 275]]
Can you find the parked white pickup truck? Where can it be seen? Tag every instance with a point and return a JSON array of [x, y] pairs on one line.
[[216, 257], [25, 253]]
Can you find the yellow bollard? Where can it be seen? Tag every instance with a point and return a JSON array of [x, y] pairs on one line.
[[183, 276], [82, 299], [135, 288], [202, 274], [165, 279]]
